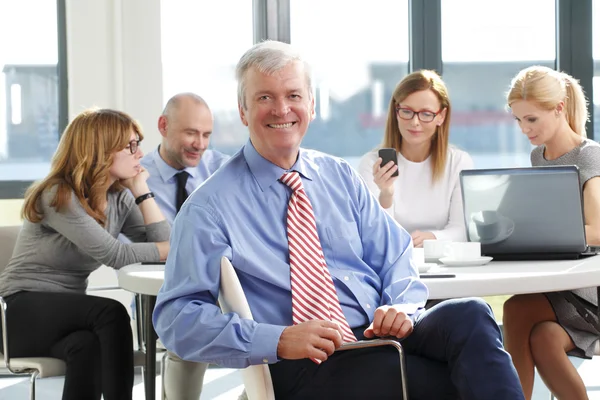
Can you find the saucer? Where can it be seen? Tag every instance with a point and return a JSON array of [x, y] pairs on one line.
[[424, 267], [465, 263], [506, 229]]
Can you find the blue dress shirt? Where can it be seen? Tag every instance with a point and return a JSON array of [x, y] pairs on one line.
[[240, 213], [163, 183]]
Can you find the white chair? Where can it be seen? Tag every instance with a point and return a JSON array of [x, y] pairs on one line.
[[257, 378], [35, 367]]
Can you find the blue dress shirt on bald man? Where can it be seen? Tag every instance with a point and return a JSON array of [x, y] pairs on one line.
[[163, 183], [240, 213]]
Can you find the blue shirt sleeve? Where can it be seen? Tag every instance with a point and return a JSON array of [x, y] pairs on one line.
[[186, 316]]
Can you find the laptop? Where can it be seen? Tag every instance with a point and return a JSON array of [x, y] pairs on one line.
[[533, 213]]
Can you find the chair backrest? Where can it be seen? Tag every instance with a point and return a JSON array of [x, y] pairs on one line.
[[257, 378], [8, 239]]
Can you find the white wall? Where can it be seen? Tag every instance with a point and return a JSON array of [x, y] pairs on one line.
[[114, 59]]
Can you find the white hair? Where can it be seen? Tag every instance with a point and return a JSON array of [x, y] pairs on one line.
[[268, 57]]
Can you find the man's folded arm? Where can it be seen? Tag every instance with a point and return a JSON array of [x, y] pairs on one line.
[[186, 317], [198, 331]]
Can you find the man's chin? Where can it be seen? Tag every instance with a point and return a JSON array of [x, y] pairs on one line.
[[191, 163]]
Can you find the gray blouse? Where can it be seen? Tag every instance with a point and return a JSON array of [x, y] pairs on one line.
[[586, 156], [59, 253]]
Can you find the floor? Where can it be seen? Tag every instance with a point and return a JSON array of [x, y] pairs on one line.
[[226, 384], [219, 384]]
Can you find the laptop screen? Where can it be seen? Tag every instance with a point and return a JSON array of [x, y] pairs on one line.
[[524, 210]]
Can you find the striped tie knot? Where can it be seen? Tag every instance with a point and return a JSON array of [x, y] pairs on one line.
[[292, 180]]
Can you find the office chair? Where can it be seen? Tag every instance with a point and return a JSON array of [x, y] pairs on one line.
[[37, 367], [257, 378]]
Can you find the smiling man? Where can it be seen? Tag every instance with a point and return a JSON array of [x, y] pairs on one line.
[[182, 161], [179, 165], [320, 263]]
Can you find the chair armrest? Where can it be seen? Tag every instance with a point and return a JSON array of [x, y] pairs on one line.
[[4, 332], [6, 352], [363, 344]]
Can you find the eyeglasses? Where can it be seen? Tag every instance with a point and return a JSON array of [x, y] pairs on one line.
[[408, 114], [133, 146]]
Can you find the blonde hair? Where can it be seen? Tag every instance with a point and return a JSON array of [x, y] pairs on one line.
[[416, 82], [547, 88], [82, 162]]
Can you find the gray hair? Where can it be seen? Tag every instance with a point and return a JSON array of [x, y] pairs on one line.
[[175, 101], [268, 57]]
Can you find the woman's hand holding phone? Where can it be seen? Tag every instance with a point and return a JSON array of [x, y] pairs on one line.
[[385, 171]]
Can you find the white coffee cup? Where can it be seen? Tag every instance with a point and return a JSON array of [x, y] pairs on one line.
[[418, 256], [463, 251], [435, 249]]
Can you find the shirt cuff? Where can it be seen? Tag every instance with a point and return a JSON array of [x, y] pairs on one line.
[[264, 344]]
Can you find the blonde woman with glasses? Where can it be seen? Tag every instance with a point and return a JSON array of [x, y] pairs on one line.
[[422, 192], [71, 222]]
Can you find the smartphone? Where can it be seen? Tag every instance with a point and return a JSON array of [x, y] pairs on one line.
[[153, 262], [388, 155], [437, 276]]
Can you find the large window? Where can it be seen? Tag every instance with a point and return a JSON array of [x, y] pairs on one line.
[[359, 53], [596, 52], [202, 42], [29, 110], [480, 56]]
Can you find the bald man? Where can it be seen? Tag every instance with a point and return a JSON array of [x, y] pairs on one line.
[[186, 126], [179, 165]]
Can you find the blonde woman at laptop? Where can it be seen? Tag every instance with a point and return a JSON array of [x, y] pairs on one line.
[[542, 329], [425, 196]]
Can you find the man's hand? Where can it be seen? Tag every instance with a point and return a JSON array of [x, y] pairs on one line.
[[312, 339], [389, 322]]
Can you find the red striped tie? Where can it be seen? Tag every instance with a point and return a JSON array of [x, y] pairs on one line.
[[313, 292]]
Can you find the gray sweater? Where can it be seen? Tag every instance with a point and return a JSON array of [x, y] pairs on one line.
[[586, 156], [59, 253]]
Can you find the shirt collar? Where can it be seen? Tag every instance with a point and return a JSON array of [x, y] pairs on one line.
[[266, 173], [166, 171]]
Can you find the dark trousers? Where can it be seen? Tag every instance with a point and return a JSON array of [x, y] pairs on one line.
[[91, 334], [455, 351]]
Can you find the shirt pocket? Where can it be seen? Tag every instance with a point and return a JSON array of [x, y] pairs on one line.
[[342, 246]]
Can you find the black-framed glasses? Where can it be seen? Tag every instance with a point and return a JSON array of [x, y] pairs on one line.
[[133, 146], [408, 114]]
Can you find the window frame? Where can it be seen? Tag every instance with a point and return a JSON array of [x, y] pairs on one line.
[[574, 33], [15, 189]]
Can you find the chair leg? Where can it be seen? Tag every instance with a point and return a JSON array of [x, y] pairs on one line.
[[163, 395], [32, 379]]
